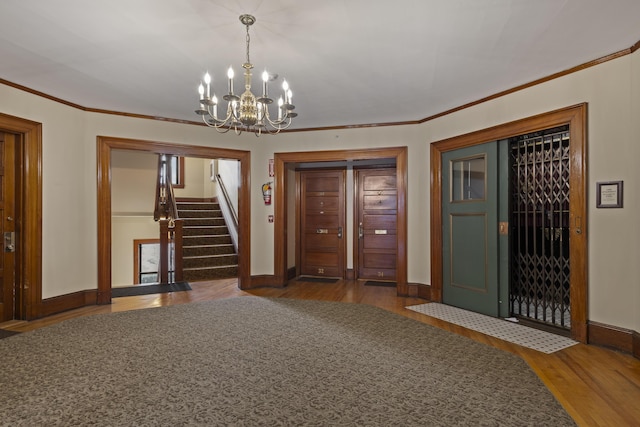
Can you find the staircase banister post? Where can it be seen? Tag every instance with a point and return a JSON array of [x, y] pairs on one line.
[[177, 250], [163, 261]]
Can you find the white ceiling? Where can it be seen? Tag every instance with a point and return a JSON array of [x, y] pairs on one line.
[[349, 62]]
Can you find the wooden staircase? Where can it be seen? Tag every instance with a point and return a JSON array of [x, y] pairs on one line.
[[208, 252]]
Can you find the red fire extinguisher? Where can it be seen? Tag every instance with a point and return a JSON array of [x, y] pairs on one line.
[[266, 193]]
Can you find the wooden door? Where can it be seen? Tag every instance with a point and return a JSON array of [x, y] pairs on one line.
[[7, 226], [470, 228], [322, 220], [377, 213]]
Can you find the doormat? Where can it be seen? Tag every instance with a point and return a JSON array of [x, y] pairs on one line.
[[149, 289], [6, 334], [525, 336], [317, 279], [379, 283]]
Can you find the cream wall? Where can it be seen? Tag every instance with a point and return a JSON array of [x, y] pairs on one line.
[[133, 189], [230, 172], [133, 183], [124, 230], [632, 204], [611, 89]]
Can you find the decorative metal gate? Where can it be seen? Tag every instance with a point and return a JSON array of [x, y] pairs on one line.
[[539, 285]]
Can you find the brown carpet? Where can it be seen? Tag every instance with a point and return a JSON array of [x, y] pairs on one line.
[[256, 361]]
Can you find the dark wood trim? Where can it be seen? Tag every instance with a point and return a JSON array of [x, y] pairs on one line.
[[68, 302], [636, 344], [281, 163], [576, 117], [420, 290], [436, 223], [554, 76], [265, 281], [611, 336], [104, 146], [350, 274], [291, 273], [41, 94], [29, 263], [298, 215]]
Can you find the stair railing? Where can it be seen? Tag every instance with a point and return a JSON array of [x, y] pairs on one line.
[[227, 200], [228, 212], [166, 214]]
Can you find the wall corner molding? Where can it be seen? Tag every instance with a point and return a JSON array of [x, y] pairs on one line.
[[624, 340]]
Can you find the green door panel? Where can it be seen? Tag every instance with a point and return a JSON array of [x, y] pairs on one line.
[[470, 228], [469, 251]]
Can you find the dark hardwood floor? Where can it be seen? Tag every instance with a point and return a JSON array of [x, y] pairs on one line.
[[597, 386]]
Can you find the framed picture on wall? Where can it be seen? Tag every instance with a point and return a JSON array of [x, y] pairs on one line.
[[609, 194]]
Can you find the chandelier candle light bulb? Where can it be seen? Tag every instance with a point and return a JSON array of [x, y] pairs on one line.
[[265, 79], [246, 112], [207, 80]]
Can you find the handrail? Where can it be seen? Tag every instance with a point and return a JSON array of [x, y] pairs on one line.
[[166, 213], [234, 215], [165, 204]]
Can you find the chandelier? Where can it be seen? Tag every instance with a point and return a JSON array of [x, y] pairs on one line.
[[245, 112]]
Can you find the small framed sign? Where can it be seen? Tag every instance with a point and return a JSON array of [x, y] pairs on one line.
[[271, 168], [609, 194]]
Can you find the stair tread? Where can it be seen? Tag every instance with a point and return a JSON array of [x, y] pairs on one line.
[[209, 256], [213, 267], [206, 241], [200, 236], [211, 246], [202, 218]]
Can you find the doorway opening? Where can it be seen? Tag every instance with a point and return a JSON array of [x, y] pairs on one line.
[[285, 165], [107, 144], [540, 286], [575, 119]]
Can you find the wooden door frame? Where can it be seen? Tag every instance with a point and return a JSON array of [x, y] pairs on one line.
[[574, 116], [29, 173], [281, 163], [104, 146]]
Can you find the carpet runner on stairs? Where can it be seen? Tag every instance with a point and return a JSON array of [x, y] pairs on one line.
[[208, 252]]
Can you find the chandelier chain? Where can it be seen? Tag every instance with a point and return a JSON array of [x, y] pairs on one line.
[[248, 41]]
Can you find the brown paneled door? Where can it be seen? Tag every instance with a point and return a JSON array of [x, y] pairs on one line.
[[7, 225], [322, 219], [377, 223]]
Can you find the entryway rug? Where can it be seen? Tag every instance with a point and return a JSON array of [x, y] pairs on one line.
[[525, 336], [6, 334], [149, 289], [380, 283], [317, 279]]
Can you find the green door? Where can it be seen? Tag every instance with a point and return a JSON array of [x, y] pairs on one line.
[[471, 239]]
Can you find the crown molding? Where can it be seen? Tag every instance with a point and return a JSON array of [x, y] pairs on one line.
[[593, 63]]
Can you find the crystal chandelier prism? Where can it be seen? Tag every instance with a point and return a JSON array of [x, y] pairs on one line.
[[245, 112]]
